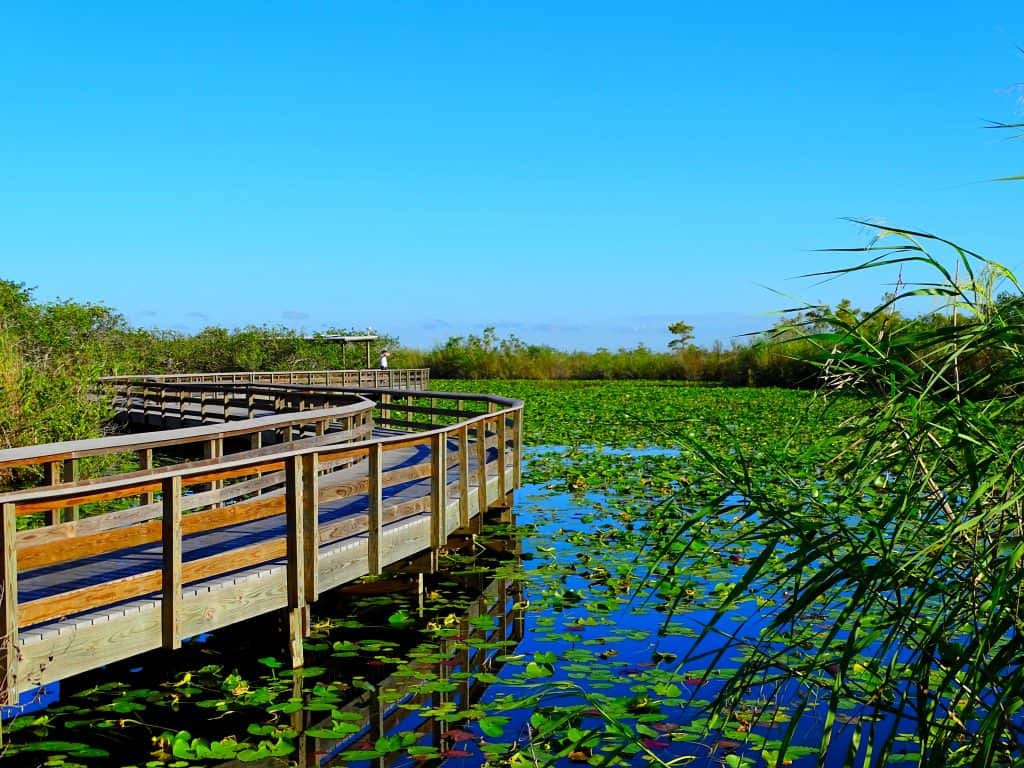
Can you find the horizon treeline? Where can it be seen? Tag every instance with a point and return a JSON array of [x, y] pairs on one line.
[[52, 353]]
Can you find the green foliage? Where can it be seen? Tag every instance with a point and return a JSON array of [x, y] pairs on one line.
[[50, 357], [902, 525]]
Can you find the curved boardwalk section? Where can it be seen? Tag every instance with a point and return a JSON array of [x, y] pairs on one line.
[[273, 494]]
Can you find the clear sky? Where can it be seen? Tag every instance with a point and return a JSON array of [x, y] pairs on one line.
[[578, 174]]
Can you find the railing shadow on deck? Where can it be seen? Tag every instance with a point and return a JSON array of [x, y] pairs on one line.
[[198, 545]]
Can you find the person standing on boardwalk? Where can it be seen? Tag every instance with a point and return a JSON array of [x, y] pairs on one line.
[[384, 360]]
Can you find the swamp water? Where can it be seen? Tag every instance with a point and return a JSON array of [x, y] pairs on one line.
[[550, 641]]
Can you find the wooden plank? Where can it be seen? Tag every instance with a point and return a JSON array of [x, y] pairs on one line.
[[91, 646], [9, 614], [40, 454], [404, 424], [86, 598], [171, 580], [375, 528], [137, 585], [123, 518]]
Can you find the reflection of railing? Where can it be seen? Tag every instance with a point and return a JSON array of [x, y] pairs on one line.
[[394, 378], [200, 545], [470, 650]]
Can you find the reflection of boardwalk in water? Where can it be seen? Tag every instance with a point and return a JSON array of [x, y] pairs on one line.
[[467, 649], [352, 481]]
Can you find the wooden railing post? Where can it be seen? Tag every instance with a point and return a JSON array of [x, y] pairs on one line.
[[375, 516], [52, 476], [517, 448], [301, 504], [438, 496], [70, 475], [481, 467], [171, 586], [463, 438], [146, 462], [145, 405], [311, 522], [9, 614], [502, 448], [214, 449]]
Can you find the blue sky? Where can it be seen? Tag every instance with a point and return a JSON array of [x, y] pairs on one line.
[[578, 174]]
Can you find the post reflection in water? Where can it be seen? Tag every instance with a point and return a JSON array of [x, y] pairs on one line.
[[467, 647]]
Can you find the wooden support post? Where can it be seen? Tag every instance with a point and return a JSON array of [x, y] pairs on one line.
[[433, 405], [9, 614], [517, 448], [70, 475], [145, 405], [202, 406], [481, 467], [146, 462], [182, 399], [163, 407], [438, 495], [171, 585], [51, 476], [463, 477], [375, 491], [301, 519], [502, 449], [298, 628], [376, 724], [226, 405], [214, 449], [250, 404], [311, 523]]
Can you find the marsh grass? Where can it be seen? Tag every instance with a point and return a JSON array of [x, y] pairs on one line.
[[893, 543]]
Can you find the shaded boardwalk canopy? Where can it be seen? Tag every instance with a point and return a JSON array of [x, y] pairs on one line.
[[295, 487]]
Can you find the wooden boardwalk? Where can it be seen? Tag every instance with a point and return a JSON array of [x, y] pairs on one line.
[[308, 488]]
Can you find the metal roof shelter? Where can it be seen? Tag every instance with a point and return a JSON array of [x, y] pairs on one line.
[[345, 341]]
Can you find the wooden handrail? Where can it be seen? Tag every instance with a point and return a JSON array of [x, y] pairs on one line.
[[76, 449], [291, 479]]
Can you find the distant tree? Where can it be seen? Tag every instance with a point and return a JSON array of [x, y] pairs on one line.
[[684, 334]]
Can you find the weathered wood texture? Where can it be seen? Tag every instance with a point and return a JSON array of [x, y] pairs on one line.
[[393, 378], [203, 544]]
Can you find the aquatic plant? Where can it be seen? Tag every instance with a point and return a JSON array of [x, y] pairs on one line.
[[892, 545]]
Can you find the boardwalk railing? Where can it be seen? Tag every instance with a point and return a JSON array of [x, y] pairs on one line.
[[397, 378], [171, 552]]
